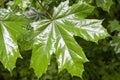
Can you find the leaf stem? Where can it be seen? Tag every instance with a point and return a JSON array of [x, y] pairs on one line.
[[45, 10]]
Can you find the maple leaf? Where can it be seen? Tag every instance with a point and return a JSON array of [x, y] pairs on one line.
[[57, 37]]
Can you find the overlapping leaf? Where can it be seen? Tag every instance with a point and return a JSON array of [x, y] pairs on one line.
[[11, 26], [116, 43], [23, 4], [104, 4], [56, 37], [114, 26]]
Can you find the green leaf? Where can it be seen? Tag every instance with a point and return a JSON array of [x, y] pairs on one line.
[[104, 4], [87, 1], [11, 27], [116, 43], [23, 4], [114, 26], [88, 29], [26, 41], [57, 37], [80, 10]]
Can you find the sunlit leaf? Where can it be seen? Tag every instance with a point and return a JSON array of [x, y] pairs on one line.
[[23, 4], [88, 29], [56, 36], [11, 26]]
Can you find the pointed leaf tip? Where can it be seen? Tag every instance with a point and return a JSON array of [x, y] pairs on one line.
[[57, 37], [10, 27]]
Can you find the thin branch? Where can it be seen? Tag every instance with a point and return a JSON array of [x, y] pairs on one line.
[[41, 4], [45, 10], [49, 15]]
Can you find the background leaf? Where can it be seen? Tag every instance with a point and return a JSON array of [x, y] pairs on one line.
[[114, 26], [104, 4], [23, 4], [116, 43]]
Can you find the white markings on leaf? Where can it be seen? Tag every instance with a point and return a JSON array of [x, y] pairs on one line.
[[63, 8], [10, 45], [43, 37], [93, 31]]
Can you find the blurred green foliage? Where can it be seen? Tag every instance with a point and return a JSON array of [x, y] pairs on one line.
[[104, 64]]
